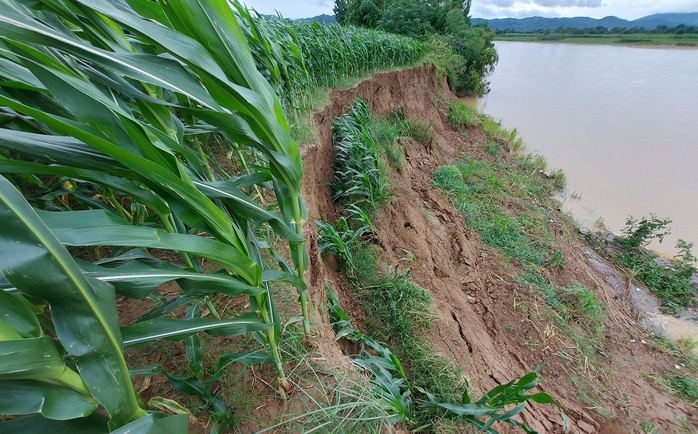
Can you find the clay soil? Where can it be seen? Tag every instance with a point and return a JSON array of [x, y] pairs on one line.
[[484, 321]]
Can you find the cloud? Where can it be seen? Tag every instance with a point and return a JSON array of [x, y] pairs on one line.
[[322, 3], [500, 3], [568, 3], [520, 4], [483, 11]]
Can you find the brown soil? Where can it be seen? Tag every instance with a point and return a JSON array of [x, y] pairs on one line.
[[485, 321]]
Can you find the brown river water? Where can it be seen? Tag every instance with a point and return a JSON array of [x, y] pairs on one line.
[[622, 122]]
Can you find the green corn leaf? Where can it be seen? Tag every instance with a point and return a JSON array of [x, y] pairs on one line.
[[192, 345], [137, 279], [18, 316], [55, 149], [244, 207], [158, 178], [20, 397], [31, 359], [476, 410], [101, 228], [157, 423], [83, 311], [18, 23], [131, 188], [177, 329]]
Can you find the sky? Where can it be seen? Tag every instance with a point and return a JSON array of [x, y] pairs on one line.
[[628, 9]]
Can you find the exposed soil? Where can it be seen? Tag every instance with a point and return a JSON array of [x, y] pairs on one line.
[[473, 290], [485, 321]]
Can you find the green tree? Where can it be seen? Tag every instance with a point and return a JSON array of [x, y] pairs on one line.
[[408, 17], [474, 45], [340, 10], [363, 13]]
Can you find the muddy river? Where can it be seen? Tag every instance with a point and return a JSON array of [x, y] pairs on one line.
[[622, 122]]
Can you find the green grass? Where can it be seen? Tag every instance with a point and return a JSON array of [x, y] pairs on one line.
[[684, 386], [482, 191], [682, 382], [398, 313], [462, 115]]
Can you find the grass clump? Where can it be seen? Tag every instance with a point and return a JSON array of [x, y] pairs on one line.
[[420, 132], [493, 148], [681, 382], [391, 130], [462, 115], [559, 178], [387, 136], [673, 284], [684, 386], [481, 192]]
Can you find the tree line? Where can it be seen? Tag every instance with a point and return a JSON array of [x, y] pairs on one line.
[[681, 29]]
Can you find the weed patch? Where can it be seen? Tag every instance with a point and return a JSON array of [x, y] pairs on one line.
[[462, 115]]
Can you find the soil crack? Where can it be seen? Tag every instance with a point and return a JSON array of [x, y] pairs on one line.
[[460, 331]]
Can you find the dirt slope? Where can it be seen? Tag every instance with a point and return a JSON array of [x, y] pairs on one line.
[[481, 323]]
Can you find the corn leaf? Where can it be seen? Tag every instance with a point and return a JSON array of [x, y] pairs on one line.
[[83, 311], [101, 228], [21, 397], [177, 329]]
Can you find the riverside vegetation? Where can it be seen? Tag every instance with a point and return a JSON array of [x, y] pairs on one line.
[[466, 51], [484, 191], [680, 36]]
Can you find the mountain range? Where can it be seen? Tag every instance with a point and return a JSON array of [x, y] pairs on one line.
[[531, 24], [539, 23]]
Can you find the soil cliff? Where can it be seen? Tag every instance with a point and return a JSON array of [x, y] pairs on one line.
[[486, 321]]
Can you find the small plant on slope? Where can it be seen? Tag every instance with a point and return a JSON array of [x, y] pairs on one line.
[[673, 285]]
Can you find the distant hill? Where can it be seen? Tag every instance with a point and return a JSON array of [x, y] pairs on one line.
[[324, 18], [539, 23]]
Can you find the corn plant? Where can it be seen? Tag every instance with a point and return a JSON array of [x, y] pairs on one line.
[[359, 178], [388, 379], [106, 111], [312, 55], [393, 388]]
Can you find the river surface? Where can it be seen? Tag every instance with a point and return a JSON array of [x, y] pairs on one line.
[[622, 122]]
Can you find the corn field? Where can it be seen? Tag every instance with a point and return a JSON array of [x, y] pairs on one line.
[[299, 57], [108, 114]]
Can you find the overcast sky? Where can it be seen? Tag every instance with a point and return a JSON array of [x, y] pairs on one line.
[[628, 9]]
